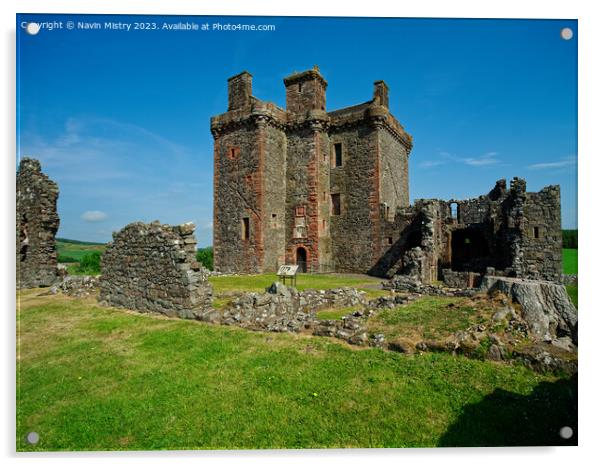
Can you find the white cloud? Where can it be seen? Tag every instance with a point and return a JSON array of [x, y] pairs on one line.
[[487, 159], [431, 163], [566, 162], [94, 216]]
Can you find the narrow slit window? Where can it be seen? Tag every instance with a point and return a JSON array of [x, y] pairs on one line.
[[338, 154], [390, 240], [536, 232], [233, 152], [245, 228], [336, 204]]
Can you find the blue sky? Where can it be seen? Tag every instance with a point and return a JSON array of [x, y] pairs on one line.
[[121, 119]]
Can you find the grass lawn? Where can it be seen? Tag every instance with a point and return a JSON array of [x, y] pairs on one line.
[[335, 314], [569, 261], [429, 317], [93, 378], [258, 283]]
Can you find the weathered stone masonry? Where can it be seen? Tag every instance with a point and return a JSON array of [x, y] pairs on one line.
[[153, 267], [508, 232], [302, 185], [37, 224], [329, 191]]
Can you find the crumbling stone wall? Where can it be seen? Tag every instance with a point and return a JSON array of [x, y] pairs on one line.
[[541, 235], [510, 231], [153, 267], [37, 224]]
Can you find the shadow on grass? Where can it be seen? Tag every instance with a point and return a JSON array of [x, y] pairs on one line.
[[504, 418]]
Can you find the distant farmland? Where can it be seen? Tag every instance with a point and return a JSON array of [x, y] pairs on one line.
[[70, 250]]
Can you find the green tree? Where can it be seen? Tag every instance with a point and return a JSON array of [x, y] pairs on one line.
[[570, 239], [205, 257]]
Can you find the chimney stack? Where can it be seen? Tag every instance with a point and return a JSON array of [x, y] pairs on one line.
[[240, 90]]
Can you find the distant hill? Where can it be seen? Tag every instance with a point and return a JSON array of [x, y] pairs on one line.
[[70, 250], [75, 241]]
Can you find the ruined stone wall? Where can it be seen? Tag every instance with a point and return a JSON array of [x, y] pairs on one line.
[[396, 237], [541, 241], [37, 224], [152, 267], [420, 225], [353, 231], [237, 181]]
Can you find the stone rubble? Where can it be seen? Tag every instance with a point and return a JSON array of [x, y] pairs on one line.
[[77, 286], [408, 284]]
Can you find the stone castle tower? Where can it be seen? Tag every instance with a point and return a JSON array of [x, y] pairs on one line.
[[304, 185], [329, 191]]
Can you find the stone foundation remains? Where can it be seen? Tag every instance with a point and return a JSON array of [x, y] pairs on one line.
[[37, 224], [281, 308], [153, 267]]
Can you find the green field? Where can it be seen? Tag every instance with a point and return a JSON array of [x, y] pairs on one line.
[[569, 261], [93, 378], [72, 251]]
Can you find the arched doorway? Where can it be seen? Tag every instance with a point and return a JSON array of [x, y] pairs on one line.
[[301, 259]]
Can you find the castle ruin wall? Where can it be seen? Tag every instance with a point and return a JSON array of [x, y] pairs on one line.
[[37, 224], [153, 268]]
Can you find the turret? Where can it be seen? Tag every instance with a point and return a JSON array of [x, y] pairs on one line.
[[305, 91], [381, 93]]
